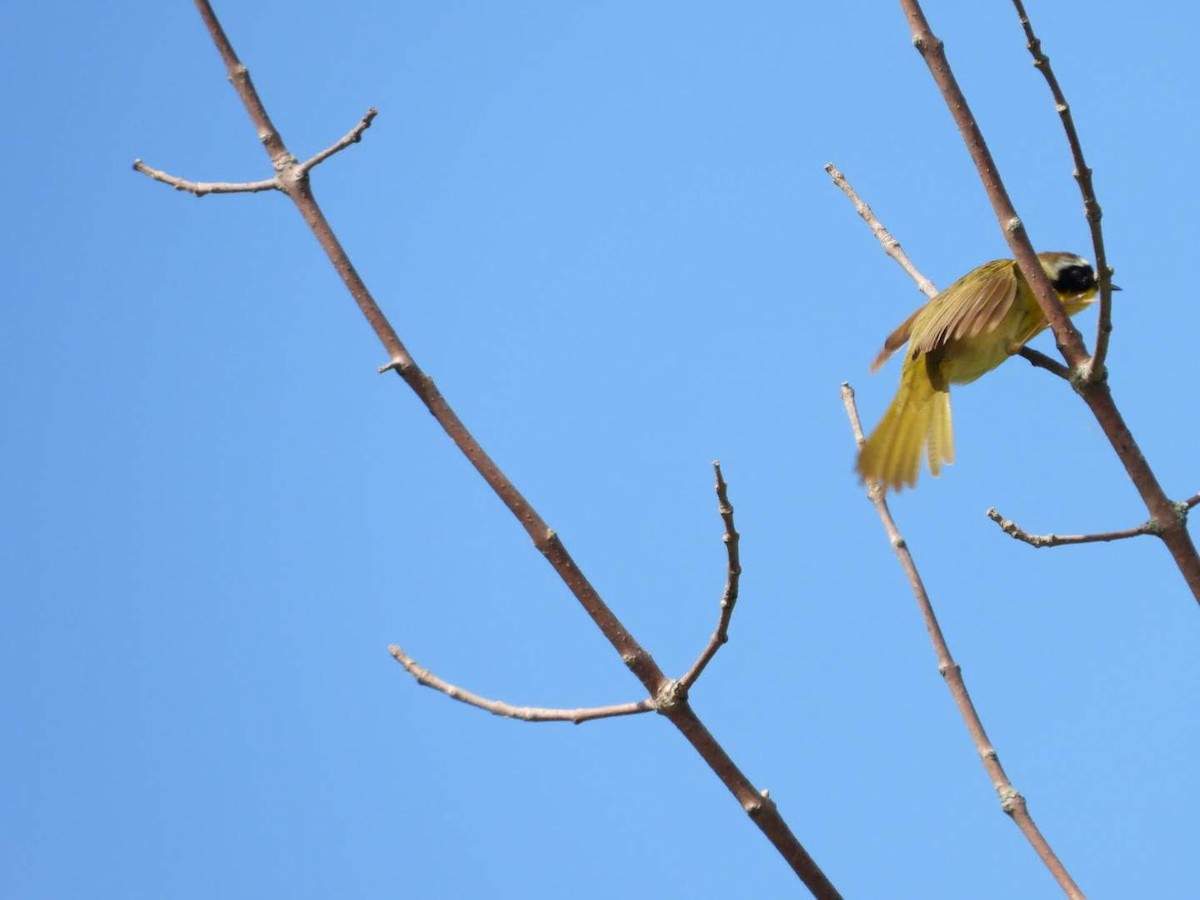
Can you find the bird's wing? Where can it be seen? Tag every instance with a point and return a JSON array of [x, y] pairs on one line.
[[976, 303], [896, 340]]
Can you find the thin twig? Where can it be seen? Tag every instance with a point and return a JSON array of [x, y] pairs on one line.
[[1011, 801], [1091, 206], [890, 245], [353, 136], [668, 699], [1191, 501], [1090, 385], [1040, 360], [1012, 529], [525, 713], [200, 188], [733, 574]]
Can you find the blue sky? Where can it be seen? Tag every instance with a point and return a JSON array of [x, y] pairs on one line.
[[606, 232]]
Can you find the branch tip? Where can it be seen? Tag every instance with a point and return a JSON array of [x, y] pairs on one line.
[[733, 571]]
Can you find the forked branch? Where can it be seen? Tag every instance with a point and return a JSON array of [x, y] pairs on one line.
[[292, 177], [1091, 206], [1090, 382]]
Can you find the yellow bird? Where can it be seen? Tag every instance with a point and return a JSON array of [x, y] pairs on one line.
[[966, 330]]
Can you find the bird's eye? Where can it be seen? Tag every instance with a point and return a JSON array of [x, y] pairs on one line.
[[1075, 280]]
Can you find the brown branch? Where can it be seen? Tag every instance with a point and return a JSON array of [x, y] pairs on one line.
[[890, 245], [1012, 529], [525, 713], [200, 188], [353, 136], [1011, 801], [1040, 360], [1191, 501], [1091, 385], [733, 574], [932, 50], [1091, 206], [668, 697]]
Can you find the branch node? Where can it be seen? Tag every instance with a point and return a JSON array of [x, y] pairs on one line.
[[400, 365], [1014, 225], [1157, 527], [1079, 377], [756, 804], [670, 696], [1011, 800]]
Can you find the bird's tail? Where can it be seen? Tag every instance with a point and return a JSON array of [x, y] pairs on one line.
[[917, 419]]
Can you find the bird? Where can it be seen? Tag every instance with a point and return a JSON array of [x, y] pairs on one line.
[[962, 333]]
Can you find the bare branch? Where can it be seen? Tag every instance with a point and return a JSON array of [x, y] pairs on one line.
[[353, 136], [1040, 360], [1011, 801], [891, 246], [525, 713], [669, 700], [1191, 501], [200, 188], [932, 50], [733, 573], [1091, 206], [1090, 384], [1012, 529]]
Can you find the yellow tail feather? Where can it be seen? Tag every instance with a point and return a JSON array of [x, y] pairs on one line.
[[917, 420]]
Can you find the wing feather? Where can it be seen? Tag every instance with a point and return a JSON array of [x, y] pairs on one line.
[[975, 303], [895, 340]]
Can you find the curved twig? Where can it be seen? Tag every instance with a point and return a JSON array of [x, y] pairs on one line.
[[200, 188], [507, 710], [1013, 530], [1091, 206], [733, 573]]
